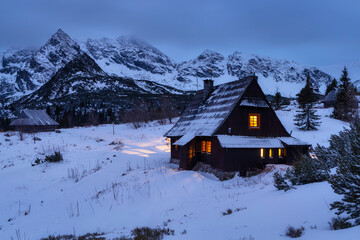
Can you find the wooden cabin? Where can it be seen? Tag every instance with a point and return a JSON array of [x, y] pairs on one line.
[[232, 127], [34, 121]]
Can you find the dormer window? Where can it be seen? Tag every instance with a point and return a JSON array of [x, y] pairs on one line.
[[254, 121]]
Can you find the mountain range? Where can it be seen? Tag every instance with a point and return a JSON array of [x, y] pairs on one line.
[[25, 71]]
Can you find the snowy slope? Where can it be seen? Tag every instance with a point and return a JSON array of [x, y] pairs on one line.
[[98, 188], [82, 80]]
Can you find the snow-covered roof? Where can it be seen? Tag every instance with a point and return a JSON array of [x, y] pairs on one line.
[[331, 96], [227, 141], [291, 141], [29, 117], [203, 118], [254, 102], [184, 139]]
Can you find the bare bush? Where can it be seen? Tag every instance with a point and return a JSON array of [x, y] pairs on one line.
[[73, 211], [73, 173], [151, 233], [294, 232]]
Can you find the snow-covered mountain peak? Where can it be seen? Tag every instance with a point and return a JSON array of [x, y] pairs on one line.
[[128, 54], [206, 54], [207, 64], [56, 53]]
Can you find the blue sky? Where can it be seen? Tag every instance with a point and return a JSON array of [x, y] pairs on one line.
[[317, 32]]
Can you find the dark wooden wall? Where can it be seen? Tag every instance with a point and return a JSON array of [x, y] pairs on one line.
[[175, 152], [238, 120], [37, 128], [245, 159]]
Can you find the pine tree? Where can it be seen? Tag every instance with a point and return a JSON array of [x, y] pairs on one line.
[[307, 170], [280, 183], [307, 119], [331, 86], [346, 181], [346, 103], [277, 100]]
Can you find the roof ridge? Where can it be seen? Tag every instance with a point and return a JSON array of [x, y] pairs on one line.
[[234, 105], [205, 116]]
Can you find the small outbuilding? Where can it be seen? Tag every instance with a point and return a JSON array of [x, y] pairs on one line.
[[330, 99], [34, 121], [232, 127]]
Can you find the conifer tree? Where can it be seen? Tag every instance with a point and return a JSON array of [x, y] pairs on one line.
[[346, 182], [345, 103], [280, 183], [307, 119], [277, 100], [331, 86]]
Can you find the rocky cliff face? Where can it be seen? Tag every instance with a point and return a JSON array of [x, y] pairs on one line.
[[129, 52], [208, 64], [26, 70]]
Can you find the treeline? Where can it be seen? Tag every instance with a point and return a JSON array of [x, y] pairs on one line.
[[87, 113], [4, 124], [140, 112]]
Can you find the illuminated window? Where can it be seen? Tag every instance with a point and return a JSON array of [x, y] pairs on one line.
[[192, 151], [208, 147], [203, 146], [280, 153], [254, 120], [270, 153], [262, 153], [176, 147]]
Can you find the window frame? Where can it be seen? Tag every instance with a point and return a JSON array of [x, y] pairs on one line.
[[257, 121]]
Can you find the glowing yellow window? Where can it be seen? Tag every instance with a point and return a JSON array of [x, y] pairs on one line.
[[280, 153], [262, 153], [203, 146], [254, 120], [208, 147], [192, 151], [270, 153]]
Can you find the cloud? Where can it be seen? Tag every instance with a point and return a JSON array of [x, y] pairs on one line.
[[313, 32]]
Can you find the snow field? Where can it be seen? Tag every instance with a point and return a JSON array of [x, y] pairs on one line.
[[100, 188]]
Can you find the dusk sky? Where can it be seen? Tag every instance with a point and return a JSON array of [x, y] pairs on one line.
[[312, 32]]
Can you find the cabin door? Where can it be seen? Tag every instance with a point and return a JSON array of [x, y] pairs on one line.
[[191, 155]]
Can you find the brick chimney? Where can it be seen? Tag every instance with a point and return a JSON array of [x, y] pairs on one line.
[[208, 87]]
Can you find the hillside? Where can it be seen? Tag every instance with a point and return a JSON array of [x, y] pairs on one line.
[[81, 86]]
